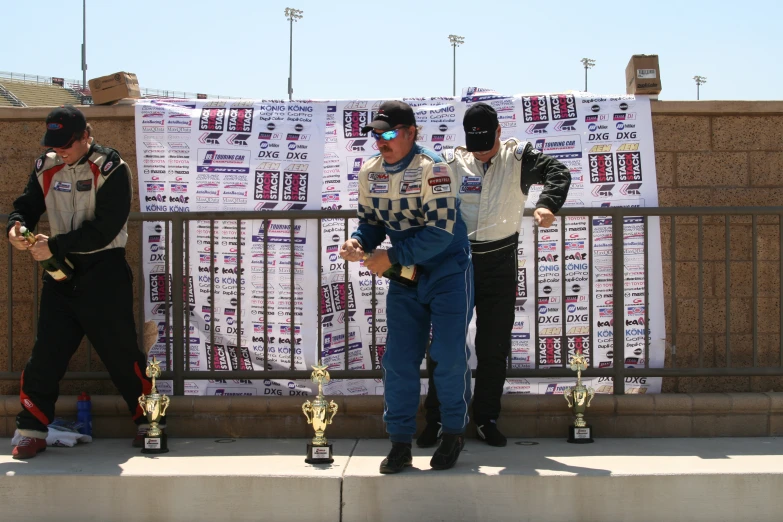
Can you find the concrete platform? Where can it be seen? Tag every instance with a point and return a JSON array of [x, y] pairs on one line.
[[267, 479]]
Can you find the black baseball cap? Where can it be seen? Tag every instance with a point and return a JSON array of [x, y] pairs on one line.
[[389, 115], [62, 124], [480, 124]]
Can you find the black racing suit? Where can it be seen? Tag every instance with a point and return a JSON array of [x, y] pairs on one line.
[[88, 205], [495, 261]]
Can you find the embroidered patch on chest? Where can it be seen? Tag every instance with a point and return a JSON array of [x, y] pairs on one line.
[[83, 185], [62, 186], [410, 187], [379, 188], [470, 185], [412, 174]]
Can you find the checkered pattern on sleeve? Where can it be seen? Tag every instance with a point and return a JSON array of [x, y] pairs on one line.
[[398, 214], [366, 215], [441, 213]]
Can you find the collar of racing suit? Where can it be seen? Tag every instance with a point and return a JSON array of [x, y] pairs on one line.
[[393, 168]]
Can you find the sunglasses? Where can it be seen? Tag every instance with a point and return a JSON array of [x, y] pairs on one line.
[[387, 136]]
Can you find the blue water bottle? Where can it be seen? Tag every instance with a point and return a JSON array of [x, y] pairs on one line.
[[84, 413]]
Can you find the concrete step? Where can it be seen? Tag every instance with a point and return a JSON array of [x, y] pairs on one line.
[[267, 479]]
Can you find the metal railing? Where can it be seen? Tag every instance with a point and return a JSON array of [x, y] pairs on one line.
[[84, 90], [669, 220]]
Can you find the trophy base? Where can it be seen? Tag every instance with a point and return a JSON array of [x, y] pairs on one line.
[[154, 445], [580, 435], [319, 454]]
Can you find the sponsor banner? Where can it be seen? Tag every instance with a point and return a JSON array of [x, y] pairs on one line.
[[199, 155], [289, 155]]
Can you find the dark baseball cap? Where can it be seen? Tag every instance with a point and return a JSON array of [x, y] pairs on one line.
[[389, 115], [480, 124], [62, 124]]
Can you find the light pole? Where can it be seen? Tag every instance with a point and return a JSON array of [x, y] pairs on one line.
[[84, 44], [589, 63], [292, 15], [700, 80], [455, 41]]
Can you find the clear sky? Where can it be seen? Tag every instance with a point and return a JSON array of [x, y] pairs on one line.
[[348, 49]]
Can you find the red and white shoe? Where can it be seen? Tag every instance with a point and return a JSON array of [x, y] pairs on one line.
[[28, 448]]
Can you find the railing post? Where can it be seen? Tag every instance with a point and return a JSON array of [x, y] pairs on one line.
[[176, 299], [618, 301]]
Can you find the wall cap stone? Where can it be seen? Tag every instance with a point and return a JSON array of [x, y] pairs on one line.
[[124, 109]]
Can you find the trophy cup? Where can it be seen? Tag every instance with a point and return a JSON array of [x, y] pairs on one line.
[[319, 451], [154, 406], [579, 432]]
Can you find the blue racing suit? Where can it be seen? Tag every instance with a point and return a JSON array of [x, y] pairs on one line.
[[415, 203]]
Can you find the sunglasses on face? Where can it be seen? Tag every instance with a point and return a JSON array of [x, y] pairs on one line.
[[386, 136]]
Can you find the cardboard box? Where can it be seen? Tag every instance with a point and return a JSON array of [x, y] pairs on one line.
[[113, 87], [643, 75]]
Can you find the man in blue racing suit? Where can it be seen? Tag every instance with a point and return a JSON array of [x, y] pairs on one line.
[[409, 193]]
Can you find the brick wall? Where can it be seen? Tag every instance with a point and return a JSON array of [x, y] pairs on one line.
[[721, 154], [707, 154]]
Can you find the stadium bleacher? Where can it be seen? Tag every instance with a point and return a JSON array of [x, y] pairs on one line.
[[31, 90], [8, 99], [38, 94]]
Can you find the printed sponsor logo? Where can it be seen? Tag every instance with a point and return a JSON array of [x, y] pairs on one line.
[[295, 186], [157, 287], [223, 161], [563, 147], [210, 138], [355, 168], [240, 119], [603, 191], [601, 168], [353, 121], [629, 166], [563, 106], [631, 189], [550, 354], [356, 146], [537, 128], [534, 109], [566, 125], [212, 119], [267, 185], [239, 140]]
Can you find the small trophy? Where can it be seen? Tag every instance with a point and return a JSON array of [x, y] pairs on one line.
[[319, 451], [579, 432], [154, 405]]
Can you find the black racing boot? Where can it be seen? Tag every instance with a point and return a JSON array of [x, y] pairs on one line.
[[489, 433], [448, 452], [430, 436], [399, 458]]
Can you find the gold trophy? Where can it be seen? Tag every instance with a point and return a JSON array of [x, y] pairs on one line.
[[319, 451], [579, 432], [154, 406]]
